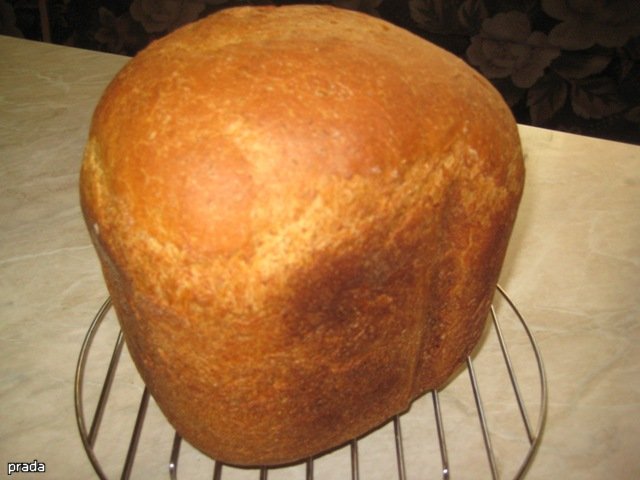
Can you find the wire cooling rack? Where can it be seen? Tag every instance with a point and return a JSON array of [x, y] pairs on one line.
[[453, 433]]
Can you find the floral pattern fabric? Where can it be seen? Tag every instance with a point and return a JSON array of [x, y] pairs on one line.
[[506, 47], [572, 65]]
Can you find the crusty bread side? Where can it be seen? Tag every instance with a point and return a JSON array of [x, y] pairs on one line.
[[301, 214]]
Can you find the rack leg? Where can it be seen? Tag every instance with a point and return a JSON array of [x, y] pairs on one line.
[[135, 437], [441, 440], [175, 454], [483, 420], [309, 475], [512, 376], [402, 473], [355, 466], [217, 471]]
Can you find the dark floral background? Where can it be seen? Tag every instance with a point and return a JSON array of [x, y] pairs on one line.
[[571, 65]]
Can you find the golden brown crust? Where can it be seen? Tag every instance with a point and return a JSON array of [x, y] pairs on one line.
[[301, 213]]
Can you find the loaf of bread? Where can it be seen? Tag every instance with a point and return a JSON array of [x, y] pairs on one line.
[[301, 214]]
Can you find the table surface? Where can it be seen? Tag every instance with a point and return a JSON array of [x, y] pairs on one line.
[[573, 268]]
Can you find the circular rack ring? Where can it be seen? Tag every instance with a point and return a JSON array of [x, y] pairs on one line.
[[467, 434]]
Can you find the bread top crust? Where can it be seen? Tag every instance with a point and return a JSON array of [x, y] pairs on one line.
[[220, 146]]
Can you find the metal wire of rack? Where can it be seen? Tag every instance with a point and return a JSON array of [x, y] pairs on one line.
[[533, 431]]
